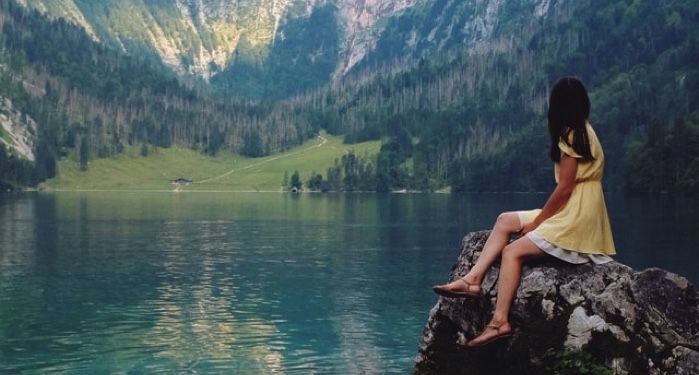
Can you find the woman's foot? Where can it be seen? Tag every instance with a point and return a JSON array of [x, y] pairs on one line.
[[493, 331], [462, 287]]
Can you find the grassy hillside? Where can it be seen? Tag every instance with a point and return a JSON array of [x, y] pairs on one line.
[[225, 172]]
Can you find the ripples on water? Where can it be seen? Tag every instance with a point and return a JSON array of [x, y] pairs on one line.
[[230, 283]]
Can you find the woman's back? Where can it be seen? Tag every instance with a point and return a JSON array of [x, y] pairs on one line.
[[587, 170]]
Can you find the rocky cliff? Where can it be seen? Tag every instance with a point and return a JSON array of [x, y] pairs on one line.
[[361, 28], [191, 36], [263, 48], [633, 322], [199, 37], [17, 130]]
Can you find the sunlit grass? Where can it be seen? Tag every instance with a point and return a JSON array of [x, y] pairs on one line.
[[226, 172]]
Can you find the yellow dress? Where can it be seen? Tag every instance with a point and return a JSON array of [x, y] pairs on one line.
[[582, 225]]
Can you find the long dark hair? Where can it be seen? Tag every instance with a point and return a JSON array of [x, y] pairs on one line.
[[569, 108]]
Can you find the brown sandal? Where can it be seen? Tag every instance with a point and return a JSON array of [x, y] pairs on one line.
[[443, 290], [498, 335]]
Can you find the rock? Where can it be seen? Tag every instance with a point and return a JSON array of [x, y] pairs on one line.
[[17, 130], [634, 322]]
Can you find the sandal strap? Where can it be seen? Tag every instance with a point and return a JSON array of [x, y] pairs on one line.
[[469, 285]]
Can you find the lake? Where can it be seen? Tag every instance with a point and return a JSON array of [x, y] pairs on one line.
[[119, 282]]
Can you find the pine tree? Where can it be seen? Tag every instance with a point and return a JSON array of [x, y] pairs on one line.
[[296, 181]]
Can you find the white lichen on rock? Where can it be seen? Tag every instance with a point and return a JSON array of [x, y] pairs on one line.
[[581, 326], [547, 307]]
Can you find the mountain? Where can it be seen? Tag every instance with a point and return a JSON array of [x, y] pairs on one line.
[[62, 94], [456, 89], [278, 48], [193, 36], [202, 38]]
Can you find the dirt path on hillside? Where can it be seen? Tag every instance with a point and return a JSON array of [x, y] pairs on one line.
[[323, 142]]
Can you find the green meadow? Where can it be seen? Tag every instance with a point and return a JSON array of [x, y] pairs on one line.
[[224, 172]]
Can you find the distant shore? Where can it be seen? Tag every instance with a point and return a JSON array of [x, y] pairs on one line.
[[401, 191]]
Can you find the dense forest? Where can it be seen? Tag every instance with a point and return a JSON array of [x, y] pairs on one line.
[[471, 117]]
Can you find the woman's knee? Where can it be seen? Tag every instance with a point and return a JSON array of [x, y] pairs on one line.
[[521, 250], [508, 221], [511, 253]]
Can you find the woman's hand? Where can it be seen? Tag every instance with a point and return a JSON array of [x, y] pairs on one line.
[[528, 227]]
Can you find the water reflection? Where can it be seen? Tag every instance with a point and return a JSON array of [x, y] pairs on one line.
[[200, 322], [255, 283]]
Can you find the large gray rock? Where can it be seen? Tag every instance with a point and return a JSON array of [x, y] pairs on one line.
[[635, 322]]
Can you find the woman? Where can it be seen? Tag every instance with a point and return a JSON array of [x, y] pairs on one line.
[[573, 224]]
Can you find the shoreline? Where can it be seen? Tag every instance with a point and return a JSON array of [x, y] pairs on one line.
[[268, 191], [401, 191]]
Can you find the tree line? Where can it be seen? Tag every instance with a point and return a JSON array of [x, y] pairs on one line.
[[348, 173]]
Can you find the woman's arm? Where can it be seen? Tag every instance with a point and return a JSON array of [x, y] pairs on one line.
[[566, 183]]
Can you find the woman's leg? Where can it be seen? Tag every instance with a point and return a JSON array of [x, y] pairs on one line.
[[513, 255], [506, 224]]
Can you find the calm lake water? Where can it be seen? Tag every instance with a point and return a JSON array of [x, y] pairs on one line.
[[94, 283]]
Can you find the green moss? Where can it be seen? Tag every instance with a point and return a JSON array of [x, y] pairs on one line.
[[571, 362]]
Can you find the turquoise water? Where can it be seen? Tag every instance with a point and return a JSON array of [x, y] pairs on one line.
[[256, 283]]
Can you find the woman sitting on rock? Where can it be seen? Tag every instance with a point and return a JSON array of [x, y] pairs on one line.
[[573, 224]]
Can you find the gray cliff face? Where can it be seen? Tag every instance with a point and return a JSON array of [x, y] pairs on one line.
[[17, 130], [196, 37], [635, 322], [199, 37], [361, 30]]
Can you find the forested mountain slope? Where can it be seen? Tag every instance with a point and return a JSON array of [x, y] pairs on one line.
[[96, 101], [479, 113]]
